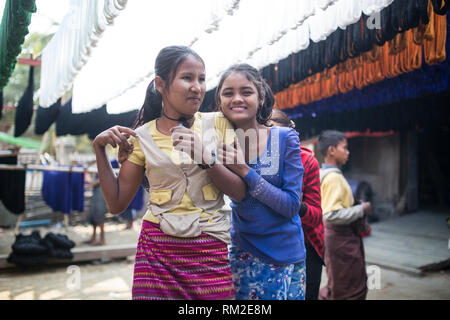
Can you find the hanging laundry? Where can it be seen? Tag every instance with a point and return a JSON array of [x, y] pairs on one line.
[[74, 124], [63, 191], [12, 186], [69, 48], [45, 117], [396, 17], [410, 93], [24, 110], [91, 123], [441, 8], [107, 120], [138, 201], [403, 54], [435, 39], [375, 119]]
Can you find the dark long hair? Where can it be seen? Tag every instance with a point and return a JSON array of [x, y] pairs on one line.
[[166, 66], [265, 110], [282, 118]]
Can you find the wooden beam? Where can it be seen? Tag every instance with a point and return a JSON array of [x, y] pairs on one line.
[[30, 62]]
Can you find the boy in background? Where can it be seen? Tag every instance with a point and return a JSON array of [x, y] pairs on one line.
[[344, 221]]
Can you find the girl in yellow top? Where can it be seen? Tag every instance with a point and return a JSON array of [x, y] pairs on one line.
[[224, 132], [182, 250]]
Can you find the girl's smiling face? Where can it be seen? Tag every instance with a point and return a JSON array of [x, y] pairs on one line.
[[239, 98]]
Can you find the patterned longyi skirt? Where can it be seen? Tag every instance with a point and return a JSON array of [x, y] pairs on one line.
[[168, 268]]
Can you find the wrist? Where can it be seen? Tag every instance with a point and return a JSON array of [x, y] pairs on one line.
[[210, 162], [97, 147], [364, 210], [242, 170], [207, 158]]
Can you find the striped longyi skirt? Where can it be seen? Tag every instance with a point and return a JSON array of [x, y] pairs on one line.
[[168, 267]]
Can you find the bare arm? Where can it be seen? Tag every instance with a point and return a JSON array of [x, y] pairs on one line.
[[285, 199], [117, 191], [345, 215], [226, 180]]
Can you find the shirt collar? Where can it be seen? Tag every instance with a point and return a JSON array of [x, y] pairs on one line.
[[328, 166]]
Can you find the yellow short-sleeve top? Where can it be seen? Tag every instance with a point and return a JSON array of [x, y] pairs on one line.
[[224, 132], [336, 193]]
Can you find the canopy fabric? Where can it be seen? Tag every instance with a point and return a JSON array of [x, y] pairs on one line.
[[20, 141], [223, 32], [126, 54], [70, 47], [13, 29]]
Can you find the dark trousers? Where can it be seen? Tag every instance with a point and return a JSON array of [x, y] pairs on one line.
[[313, 272]]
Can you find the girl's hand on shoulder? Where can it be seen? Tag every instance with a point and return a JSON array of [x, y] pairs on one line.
[[125, 149], [233, 158], [187, 141]]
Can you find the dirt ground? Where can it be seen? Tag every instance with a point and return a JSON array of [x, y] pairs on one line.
[[113, 280]]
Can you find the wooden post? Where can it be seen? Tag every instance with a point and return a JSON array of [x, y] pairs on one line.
[[66, 222], [19, 220]]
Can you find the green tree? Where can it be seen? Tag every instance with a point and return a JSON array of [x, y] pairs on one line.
[[32, 47]]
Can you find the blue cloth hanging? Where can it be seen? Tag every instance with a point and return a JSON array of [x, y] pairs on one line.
[[63, 191], [138, 201]]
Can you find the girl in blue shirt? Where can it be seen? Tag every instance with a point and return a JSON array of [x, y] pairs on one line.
[[267, 254]]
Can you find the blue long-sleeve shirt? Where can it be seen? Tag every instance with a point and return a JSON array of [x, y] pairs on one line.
[[266, 222]]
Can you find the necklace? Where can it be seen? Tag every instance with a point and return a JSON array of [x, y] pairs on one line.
[[183, 120]]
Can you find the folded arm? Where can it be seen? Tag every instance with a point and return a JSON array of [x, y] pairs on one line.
[[286, 199]]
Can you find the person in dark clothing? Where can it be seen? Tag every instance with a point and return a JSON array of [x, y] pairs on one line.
[[310, 212], [97, 212]]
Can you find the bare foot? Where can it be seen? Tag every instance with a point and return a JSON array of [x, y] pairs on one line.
[[98, 243], [90, 241]]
